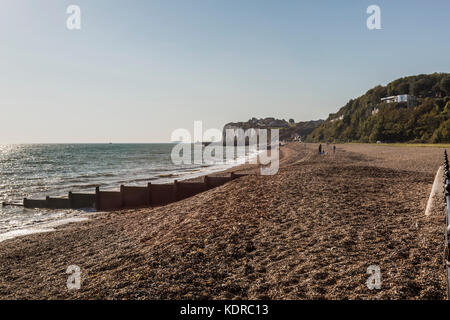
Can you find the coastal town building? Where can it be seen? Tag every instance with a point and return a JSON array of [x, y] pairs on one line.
[[405, 98]]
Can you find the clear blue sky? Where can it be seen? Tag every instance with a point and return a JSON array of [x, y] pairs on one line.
[[139, 69]]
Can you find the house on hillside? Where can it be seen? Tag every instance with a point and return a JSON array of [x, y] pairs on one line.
[[340, 118], [402, 98]]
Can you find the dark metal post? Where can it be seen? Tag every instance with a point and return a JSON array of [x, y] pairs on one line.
[[447, 218]]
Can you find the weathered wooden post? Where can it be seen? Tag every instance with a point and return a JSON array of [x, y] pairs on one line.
[[176, 189], [207, 182], [122, 195], [149, 187], [71, 200], [97, 198]]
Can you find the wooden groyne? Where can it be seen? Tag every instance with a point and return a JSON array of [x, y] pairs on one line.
[[151, 195], [73, 201]]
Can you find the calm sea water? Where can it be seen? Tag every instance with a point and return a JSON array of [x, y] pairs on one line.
[[34, 171]]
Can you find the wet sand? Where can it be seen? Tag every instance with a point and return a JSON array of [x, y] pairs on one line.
[[309, 232]]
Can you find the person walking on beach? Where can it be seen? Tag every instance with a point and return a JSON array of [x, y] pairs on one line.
[[320, 149], [334, 149]]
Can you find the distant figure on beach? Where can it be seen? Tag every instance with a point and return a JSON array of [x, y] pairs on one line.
[[334, 149], [320, 149]]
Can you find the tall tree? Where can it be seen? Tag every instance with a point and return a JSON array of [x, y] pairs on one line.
[[445, 85]]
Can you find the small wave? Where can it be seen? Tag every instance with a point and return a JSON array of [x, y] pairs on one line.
[[40, 162], [169, 175], [96, 175], [74, 180], [144, 179], [191, 170], [137, 180], [161, 170], [85, 186], [40, 228]]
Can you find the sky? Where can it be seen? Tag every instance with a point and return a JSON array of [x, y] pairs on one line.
[[137, 70]]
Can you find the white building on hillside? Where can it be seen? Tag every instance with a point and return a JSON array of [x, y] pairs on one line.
[[340, 118], [406, 98]]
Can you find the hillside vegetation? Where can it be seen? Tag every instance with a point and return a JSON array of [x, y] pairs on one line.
[[366, 119]]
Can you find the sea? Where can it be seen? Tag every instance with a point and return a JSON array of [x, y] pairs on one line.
[[36, 170]]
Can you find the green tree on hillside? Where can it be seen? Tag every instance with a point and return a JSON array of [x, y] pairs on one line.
[[445, 85]]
